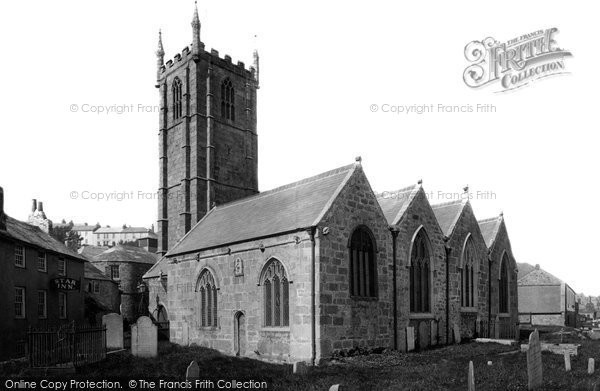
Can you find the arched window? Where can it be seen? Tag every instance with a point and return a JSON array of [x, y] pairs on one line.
[[363, 277], [208, 299], [177, 99], [227, 100], [420, 264], [503, 285], [468, 276], [276, 295]]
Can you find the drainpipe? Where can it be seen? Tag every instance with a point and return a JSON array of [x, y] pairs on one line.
[[313, 311], [394, 287], [448, 251], [489, 291]]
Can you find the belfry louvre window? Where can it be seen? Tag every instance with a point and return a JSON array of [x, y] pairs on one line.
[[208, 299], [468, 279], [420, 264], [276, 295], [363, 279], [227, 100], [177, 99], [503, 286]]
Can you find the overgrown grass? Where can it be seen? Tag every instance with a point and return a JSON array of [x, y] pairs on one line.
[[439, 369]]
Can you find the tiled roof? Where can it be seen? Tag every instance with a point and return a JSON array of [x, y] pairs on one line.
[[524, 268], [287, 208], [489, 229], [91, 251], [395, 203], [33, 235], [91, 272], [447, 214], [539, 277], [83, 227], [126, 254], [118, 230]]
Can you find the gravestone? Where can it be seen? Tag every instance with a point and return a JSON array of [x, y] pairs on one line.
[[193, 371], [185, 334], [567, 362], [410, 339], [144, 338], [300, 367], [478, 325], [497, 327], [114, 330], [456, 333], [534, 361], [590, 366], [434, 332], [335, 387], [471, 377], [424, 338]]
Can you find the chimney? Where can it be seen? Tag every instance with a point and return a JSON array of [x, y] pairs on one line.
[[537, 266], [2, 215], [33, 206], [38, 217]]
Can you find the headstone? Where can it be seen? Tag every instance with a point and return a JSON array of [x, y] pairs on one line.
[[424, 338], [193, 371], [471, 377], [144, 338], [335, 387], [590, 366], [456, 333], [410, 339], [434, 332], [114, 330], [534, 362], [185, 334], [567, 362], [478, 325], [300, 367]]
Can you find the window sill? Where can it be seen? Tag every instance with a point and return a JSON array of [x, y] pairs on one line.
[[285, 329], [364, 298], [469, 309], [503, 315], [20, 266], [423, 315]]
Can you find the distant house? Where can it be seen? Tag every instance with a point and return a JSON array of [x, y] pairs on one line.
[[102, 294], [126, 265], [108, 236], [39, 279], [544, 299], [86, 232], [149, 242]]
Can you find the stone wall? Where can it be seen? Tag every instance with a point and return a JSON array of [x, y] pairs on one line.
[[345, 321], [420, 216]]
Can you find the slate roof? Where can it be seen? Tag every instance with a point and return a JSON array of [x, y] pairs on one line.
[[539, 277], [83, 227], [91, 272], [395, 203], [489, 229], [295, 206], [447, 214], [118, 230], [34, 236], [126, 254], [91, 251], [524, 268]]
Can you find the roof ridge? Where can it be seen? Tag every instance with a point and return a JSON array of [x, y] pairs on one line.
[[288, 186], [489, 219], [401, 190]]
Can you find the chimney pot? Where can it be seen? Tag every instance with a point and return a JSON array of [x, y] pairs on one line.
[[2, 215], [537, 266], [33, 205]]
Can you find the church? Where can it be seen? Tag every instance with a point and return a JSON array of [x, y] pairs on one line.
[[313, 268]]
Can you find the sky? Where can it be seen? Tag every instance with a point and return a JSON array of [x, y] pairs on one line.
[[323, 67]]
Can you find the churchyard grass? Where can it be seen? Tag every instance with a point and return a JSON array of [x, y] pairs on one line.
[[445, 368]]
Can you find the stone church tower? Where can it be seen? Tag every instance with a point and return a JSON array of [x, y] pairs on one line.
[[207, 135]]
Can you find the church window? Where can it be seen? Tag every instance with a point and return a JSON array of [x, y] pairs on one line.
[[363, 278], [227, 100], [503, 286], [177, 98], [276, 295], [420, 264], [468, 279], [208, 299]]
